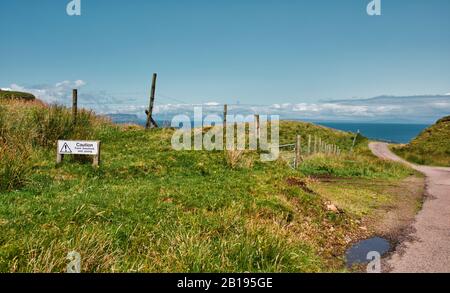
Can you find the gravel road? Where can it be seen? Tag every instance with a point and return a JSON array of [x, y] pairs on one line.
[[428, 247]]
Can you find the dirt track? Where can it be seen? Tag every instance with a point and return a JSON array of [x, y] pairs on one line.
[[429, 248]]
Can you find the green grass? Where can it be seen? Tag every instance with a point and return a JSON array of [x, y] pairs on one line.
[[16, 95], [149, 208], [431, 147], [360, 163], [357, 196]]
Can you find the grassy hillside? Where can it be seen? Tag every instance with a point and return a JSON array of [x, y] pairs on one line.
[[16, 95], [149, 208], [431, 147]]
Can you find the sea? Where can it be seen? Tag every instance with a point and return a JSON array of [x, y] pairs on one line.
[[389, 132]]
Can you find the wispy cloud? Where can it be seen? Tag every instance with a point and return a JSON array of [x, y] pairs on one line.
[[61, 93], [415, 109], [56, 93], [419, 109]]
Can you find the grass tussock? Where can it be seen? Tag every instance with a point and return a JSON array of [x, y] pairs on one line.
[[14, 164]]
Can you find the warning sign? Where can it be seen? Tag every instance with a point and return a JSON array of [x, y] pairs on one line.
[[68, 147], [65, 149]]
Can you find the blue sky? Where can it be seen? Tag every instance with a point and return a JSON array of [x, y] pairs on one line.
[[225, 51]]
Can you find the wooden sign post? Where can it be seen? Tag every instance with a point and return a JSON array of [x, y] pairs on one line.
[[70, 147]]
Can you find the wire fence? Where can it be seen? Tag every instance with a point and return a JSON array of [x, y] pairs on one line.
[[295, 153]]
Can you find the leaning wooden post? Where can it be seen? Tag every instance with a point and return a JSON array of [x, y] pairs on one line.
[[298, 151], [149, 112], [74, 106]]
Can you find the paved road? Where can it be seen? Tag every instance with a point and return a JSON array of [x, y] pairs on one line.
[[429, 249]]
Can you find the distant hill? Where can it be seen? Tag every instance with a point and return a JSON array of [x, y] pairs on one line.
[[16, 95], [125, 118], [431, 147]]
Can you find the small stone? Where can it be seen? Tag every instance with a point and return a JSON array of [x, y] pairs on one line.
[[332, 207]]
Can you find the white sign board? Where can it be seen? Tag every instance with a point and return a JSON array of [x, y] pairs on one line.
[[69, 147]]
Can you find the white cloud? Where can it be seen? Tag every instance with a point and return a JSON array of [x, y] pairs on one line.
[[386, 109], [211, 104], [58, 93], [448, 94]]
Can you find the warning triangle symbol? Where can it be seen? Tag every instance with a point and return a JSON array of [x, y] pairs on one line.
[[65, 148]]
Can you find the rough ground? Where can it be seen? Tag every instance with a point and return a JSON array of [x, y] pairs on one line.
[[394, 220], [428, 247]]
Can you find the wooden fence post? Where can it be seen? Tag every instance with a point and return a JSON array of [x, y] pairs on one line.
[[149, 112], [309, 144], [225, 113], [258, 131], [74, 106], [354, 141], [315, 144], [298, 151]]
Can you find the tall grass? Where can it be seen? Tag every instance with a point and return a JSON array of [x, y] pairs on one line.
[[14, 165], [26, 127], [57, 123], [358, 164]]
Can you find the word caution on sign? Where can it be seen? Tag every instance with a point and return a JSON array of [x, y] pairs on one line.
[[70, 147]]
